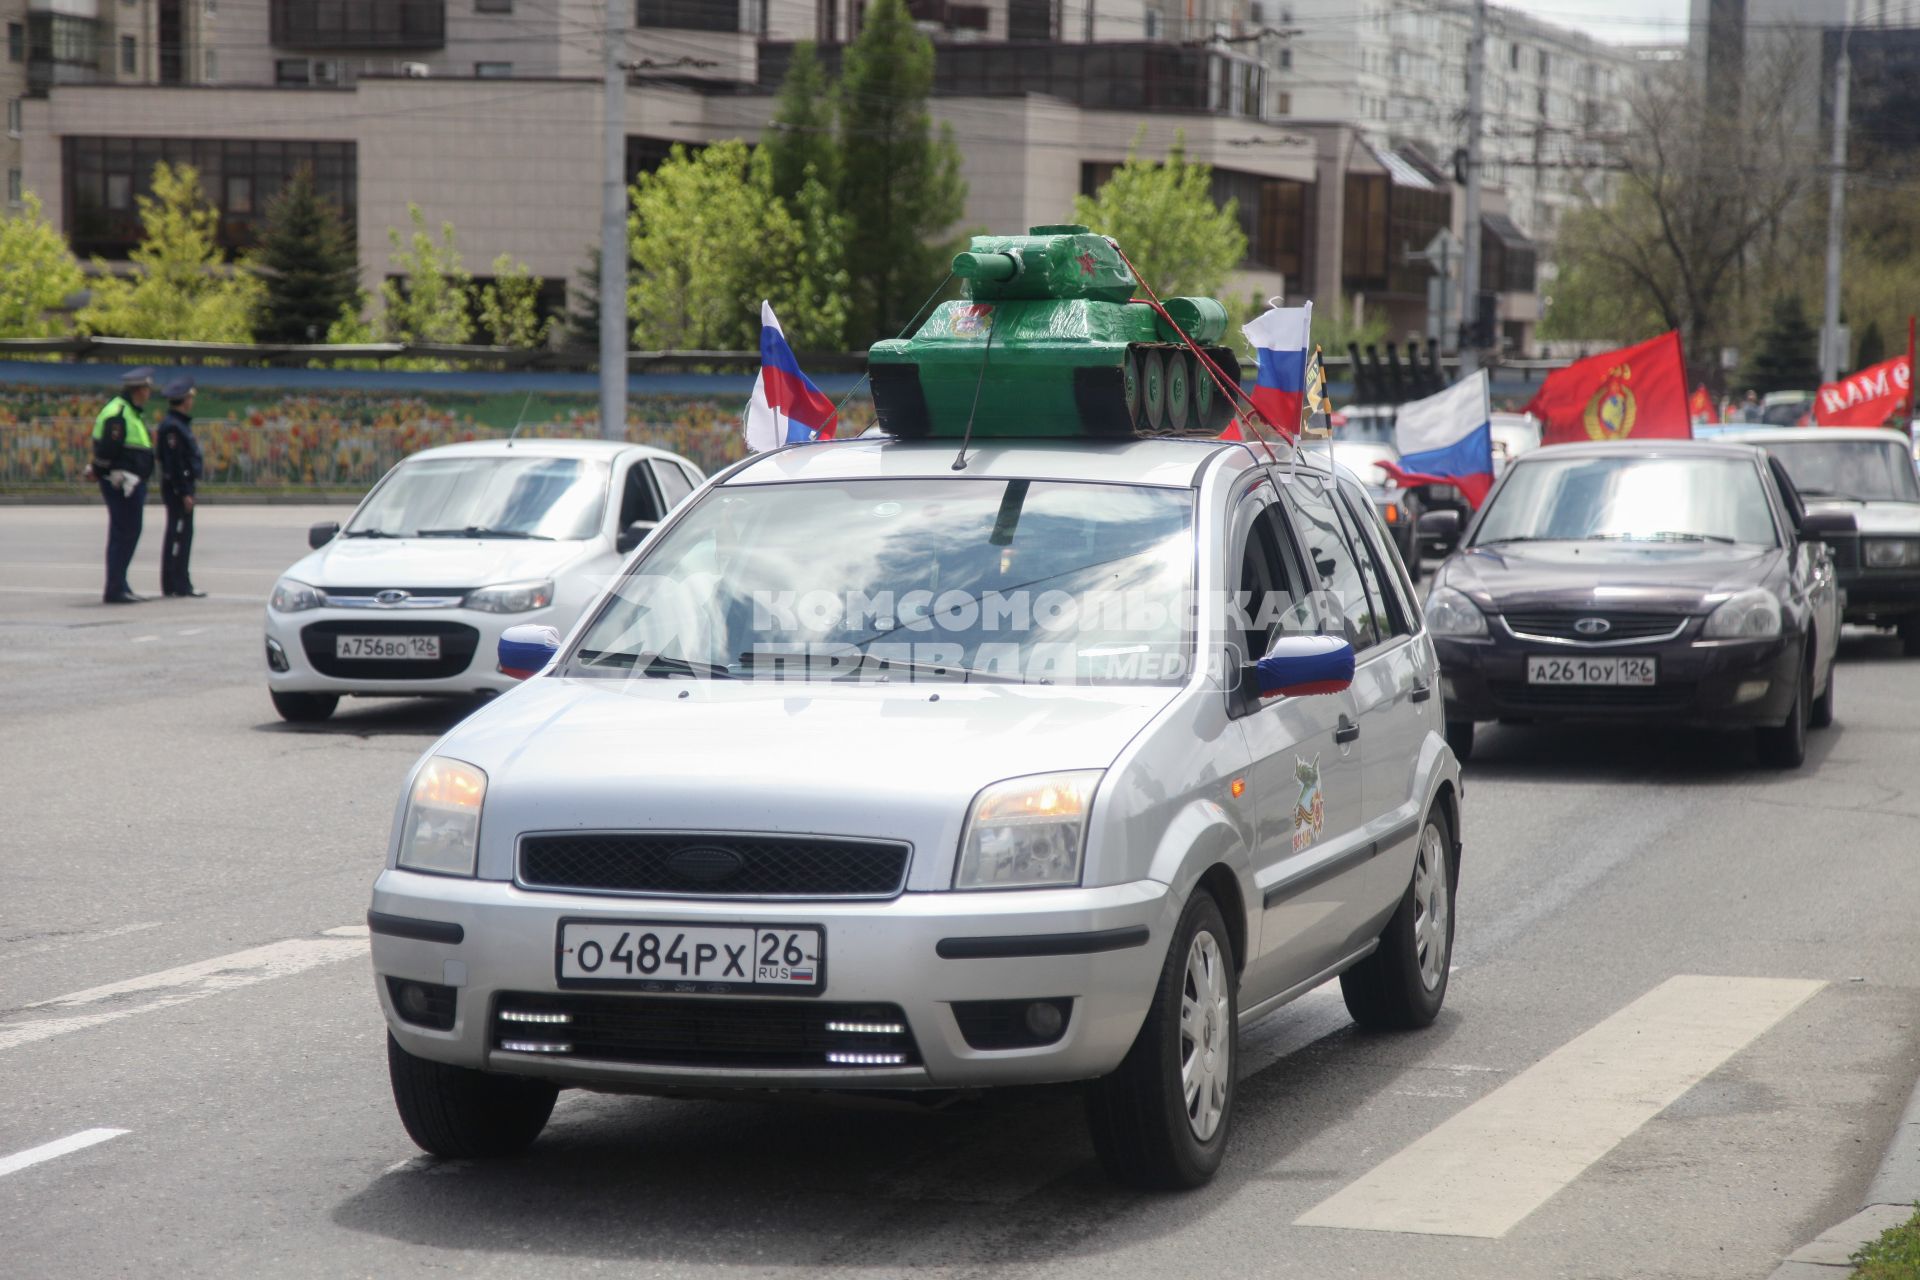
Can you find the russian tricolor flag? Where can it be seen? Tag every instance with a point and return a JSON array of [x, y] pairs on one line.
[[1447, 439], [1280, 340], [786, 407]]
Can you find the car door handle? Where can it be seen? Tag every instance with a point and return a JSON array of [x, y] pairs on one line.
[[1347, 731], [1421, 692]]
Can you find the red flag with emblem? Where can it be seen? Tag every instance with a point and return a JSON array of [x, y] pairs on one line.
[[1867, 398], [1701, 408], [1637, 392]]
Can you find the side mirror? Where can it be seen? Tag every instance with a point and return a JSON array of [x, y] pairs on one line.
[[1817, 526], [633, 535], [527, 649], [1300, 665], [320, 535], [1440, 526]]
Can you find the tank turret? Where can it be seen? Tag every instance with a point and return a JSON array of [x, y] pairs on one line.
[[1066, 350]]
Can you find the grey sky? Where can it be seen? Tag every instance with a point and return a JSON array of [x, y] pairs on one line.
[[1621, 21]]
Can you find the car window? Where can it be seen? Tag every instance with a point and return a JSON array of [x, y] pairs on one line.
[[1360, 519], [1789, 493], [1551, 496], [673, 483], [1342, 603], [636, 500], [1868, 469], [519, 496], [1270, 594]]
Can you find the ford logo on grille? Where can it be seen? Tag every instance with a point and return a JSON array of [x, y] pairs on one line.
[[705, 863], [392, 595], [1593, 626]]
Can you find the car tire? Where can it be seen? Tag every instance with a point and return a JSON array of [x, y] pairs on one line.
[[1910, 637], [1147, 1129], [460, 1113], [1785, 746], [305, 708], [1460, 738], [1401, 986], [1820, 714]]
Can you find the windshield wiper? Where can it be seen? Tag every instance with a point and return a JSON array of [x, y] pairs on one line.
[[480, 531], [910, 667], [1664, 536], [371, 533], [659, 665]]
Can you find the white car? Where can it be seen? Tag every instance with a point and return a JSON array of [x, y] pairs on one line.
[[449, 549], [883, 769], [1514, 434]]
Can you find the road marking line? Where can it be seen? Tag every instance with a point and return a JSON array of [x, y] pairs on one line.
[[178, 986], [75, 939], [57, 1148], [1487, 1167], [191, 631], [143, 639]]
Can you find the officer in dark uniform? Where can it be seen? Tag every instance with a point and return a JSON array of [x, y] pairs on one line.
[[180, 467], [122, 461]]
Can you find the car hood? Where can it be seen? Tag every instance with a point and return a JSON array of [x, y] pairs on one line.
[[1873, 516], [892, 762], [433, 562], [1666, 577]]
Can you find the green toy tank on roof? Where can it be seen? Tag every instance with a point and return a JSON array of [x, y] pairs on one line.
[[1050, 342]]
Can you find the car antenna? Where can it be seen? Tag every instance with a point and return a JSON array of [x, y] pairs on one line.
[[966, 438], [518, 422]]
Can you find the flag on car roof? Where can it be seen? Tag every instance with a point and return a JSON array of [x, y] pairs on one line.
[[1701, 407], [1447, 439], [1280, 339], [786, 407], [1637, 392], [1867, 398]]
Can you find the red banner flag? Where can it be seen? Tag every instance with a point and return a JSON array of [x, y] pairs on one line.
[[1701, 408], [1867, 398], [1636, 392]]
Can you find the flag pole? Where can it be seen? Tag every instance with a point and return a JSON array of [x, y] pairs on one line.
[[1910, 325]]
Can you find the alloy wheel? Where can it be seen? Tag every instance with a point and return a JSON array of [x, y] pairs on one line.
[[1432, 908], [1206, 1055]]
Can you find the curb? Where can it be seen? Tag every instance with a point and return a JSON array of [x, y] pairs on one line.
[[1889, 1201]]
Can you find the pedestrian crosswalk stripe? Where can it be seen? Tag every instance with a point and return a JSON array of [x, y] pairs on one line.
[[1486, 1168]]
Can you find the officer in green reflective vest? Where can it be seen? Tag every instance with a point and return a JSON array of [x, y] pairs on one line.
[[122, 462]]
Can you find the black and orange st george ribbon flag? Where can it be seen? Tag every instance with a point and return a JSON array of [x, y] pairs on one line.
[[1635, 393]]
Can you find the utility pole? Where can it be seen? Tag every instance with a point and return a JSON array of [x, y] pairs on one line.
[[1470, 275], [613, 232], [1831, 357]]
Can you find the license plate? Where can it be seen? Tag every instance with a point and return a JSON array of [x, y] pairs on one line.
[[414, 648], [1591, 670], [692, 959]]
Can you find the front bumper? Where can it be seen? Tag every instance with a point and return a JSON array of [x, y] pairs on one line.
[[1879, 595], [876, 953], [1705, 683], [469, 643]]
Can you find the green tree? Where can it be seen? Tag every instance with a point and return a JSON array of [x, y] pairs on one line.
[[38, 274], [900, 184], [431, 301], [582, 327], [1785, 352], [800, 143], [1162, 213], [181, 286], [308, 264], [1873, 346], [709, 243], [510, 306]]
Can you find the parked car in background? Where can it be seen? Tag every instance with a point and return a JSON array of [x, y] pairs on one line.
[[1513, 434], [449, 549], [1867, 473], [1786, 408], [1399, 509], [1672, 582]]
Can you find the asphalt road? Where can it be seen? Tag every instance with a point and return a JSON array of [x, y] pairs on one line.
[[181, 961]]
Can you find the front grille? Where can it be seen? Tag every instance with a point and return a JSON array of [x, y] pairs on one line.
[[1620, 626], [668, 1032], [417, 597], [1592, 697], [458, 642], [700, 864]]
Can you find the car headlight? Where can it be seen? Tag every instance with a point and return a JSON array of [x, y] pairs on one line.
[[1027, 832], [290, 595], [1892, 553], [1450, 613], [441, 832], [512, 597], [1750, 615]]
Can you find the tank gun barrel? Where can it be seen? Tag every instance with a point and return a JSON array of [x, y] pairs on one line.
[[973, 265]]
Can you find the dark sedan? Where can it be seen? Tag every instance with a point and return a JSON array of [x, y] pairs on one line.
[[1677, 582]]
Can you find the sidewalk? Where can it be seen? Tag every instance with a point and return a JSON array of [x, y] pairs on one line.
[[1889, 1201]]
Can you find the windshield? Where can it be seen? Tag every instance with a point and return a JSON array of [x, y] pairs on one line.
[[1027, 580], [501, 497], [1629, 499], [1786, 413], [1869, 469]]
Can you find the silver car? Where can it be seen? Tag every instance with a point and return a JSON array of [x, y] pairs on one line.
[[882, 769]]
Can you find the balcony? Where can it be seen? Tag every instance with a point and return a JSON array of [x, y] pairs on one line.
[[411, 25]]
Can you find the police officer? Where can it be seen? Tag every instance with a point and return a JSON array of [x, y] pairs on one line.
[[122, 461], [180, 467]]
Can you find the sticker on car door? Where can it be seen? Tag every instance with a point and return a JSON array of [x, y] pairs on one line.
[[1310, 810]]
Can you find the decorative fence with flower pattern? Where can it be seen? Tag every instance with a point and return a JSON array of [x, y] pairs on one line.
[[344, 440]]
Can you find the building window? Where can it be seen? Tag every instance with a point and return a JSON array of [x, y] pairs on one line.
[[493, 6], [688, 15], [105, 176], [493, 70], [1363, 247], [292, 71], [16, 42], [212, 66], [357, 24], [13, 116], [1273, 214], [1513, 57], [129, 54], [14, 193], [1033, 20]]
